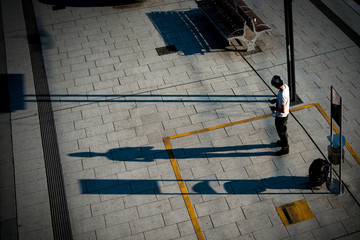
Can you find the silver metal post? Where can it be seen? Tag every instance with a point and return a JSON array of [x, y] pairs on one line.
[[331, 128], [341, 149]]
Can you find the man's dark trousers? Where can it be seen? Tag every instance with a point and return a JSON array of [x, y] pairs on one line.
[[280, 124]]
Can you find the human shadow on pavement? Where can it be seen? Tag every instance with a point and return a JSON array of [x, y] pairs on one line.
[[146, 154], [273, 185]]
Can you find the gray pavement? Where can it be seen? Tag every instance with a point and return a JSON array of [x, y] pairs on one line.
[[114, 99]]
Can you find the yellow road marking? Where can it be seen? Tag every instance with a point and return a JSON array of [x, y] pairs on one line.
[[234, 123], [183, 190], [299, 208], [219, 126]]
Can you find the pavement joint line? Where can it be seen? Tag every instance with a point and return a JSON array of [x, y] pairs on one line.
[[176, 168]]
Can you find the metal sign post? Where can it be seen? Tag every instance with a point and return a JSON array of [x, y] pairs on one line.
[[335, 149]]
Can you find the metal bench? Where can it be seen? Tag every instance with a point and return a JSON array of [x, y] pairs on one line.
[[225, 18], [253, 21], [231, 17]]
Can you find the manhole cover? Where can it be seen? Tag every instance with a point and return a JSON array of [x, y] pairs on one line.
[[166, 50]]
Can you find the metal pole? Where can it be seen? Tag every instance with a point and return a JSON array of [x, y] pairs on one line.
[[290, 48], [331, 128], [341, 147]]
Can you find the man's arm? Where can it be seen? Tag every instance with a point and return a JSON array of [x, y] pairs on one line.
[[280, 110]]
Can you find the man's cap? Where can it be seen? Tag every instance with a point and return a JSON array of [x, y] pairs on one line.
[[276, 81]]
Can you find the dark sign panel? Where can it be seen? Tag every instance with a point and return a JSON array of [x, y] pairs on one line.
[[336, 106]]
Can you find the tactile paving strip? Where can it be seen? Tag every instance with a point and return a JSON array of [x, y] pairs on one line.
[[57, 198]]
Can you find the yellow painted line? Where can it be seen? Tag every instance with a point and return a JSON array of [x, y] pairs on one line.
[[327, 118], [183, 190], [234, 123], [301, 107], [352, 152], [220, 126], [295, 212], [177, 172]]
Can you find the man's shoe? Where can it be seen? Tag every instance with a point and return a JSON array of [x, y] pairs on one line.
[[282, 152], [278, 143]]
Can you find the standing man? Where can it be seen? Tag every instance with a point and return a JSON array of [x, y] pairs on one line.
[[281, 110]]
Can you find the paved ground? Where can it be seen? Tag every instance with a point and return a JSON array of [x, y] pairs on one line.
[[114, 99]]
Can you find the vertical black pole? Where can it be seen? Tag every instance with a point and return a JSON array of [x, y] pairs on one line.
[[290, 48]]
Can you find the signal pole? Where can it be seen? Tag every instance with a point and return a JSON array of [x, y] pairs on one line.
[[290, 50]]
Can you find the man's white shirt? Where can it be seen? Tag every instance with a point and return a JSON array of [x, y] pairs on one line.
[[283, 98]]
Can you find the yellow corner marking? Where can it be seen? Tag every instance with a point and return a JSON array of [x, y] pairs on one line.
[[234, 123], [295, 212], [301, 107], [183, 190], [220, 126], [327, 118]]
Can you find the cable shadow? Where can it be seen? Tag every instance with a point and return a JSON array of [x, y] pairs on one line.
[[146, 154], [280, 185], [191, 98]]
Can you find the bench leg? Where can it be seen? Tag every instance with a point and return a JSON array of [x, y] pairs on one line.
[[250, 46]]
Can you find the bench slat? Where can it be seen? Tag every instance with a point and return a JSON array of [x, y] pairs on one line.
[[255, 23], [229, 23], [230, 18]]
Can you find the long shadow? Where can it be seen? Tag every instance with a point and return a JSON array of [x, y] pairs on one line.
[[145, 154], [272, 185], [149, 98], [284, 185], [188, 30]]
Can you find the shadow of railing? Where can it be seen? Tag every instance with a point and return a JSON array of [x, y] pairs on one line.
[[149, 98], [188, 30], [284, 185]]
